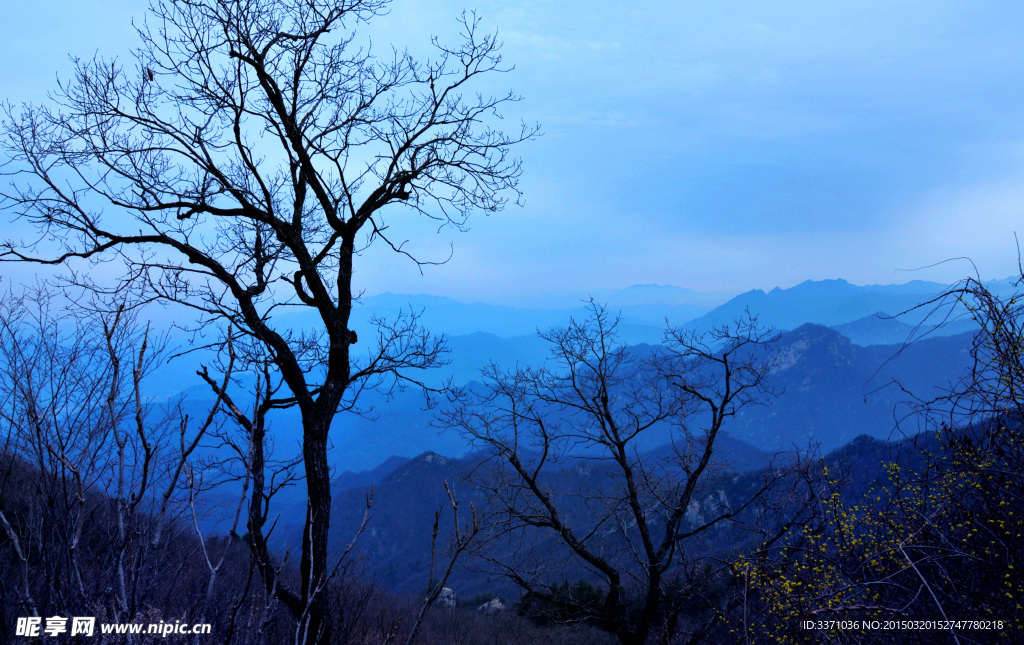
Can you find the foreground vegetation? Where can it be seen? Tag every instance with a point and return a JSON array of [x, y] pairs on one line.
[[102, 514]]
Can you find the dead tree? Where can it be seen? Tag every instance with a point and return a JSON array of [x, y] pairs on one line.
[[240, 163], [590, 412]]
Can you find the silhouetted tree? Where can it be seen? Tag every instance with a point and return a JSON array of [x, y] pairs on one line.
[[241, 162], [592, 407]]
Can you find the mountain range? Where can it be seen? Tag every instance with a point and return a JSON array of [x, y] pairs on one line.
[[828, 390], [837, 382]]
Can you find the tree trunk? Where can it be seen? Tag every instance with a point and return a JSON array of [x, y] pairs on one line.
[[652, 602], [314, 626]]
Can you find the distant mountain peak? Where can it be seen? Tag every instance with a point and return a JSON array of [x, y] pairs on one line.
[[814, 334], [811, 342], [827, 302], [815, 329], [826, 281]]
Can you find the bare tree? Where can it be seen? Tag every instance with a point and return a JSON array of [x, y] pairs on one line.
[[239, 163], [92, 475], [591, 410]]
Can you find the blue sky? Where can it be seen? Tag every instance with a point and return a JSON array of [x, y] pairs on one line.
[[717, 146]]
